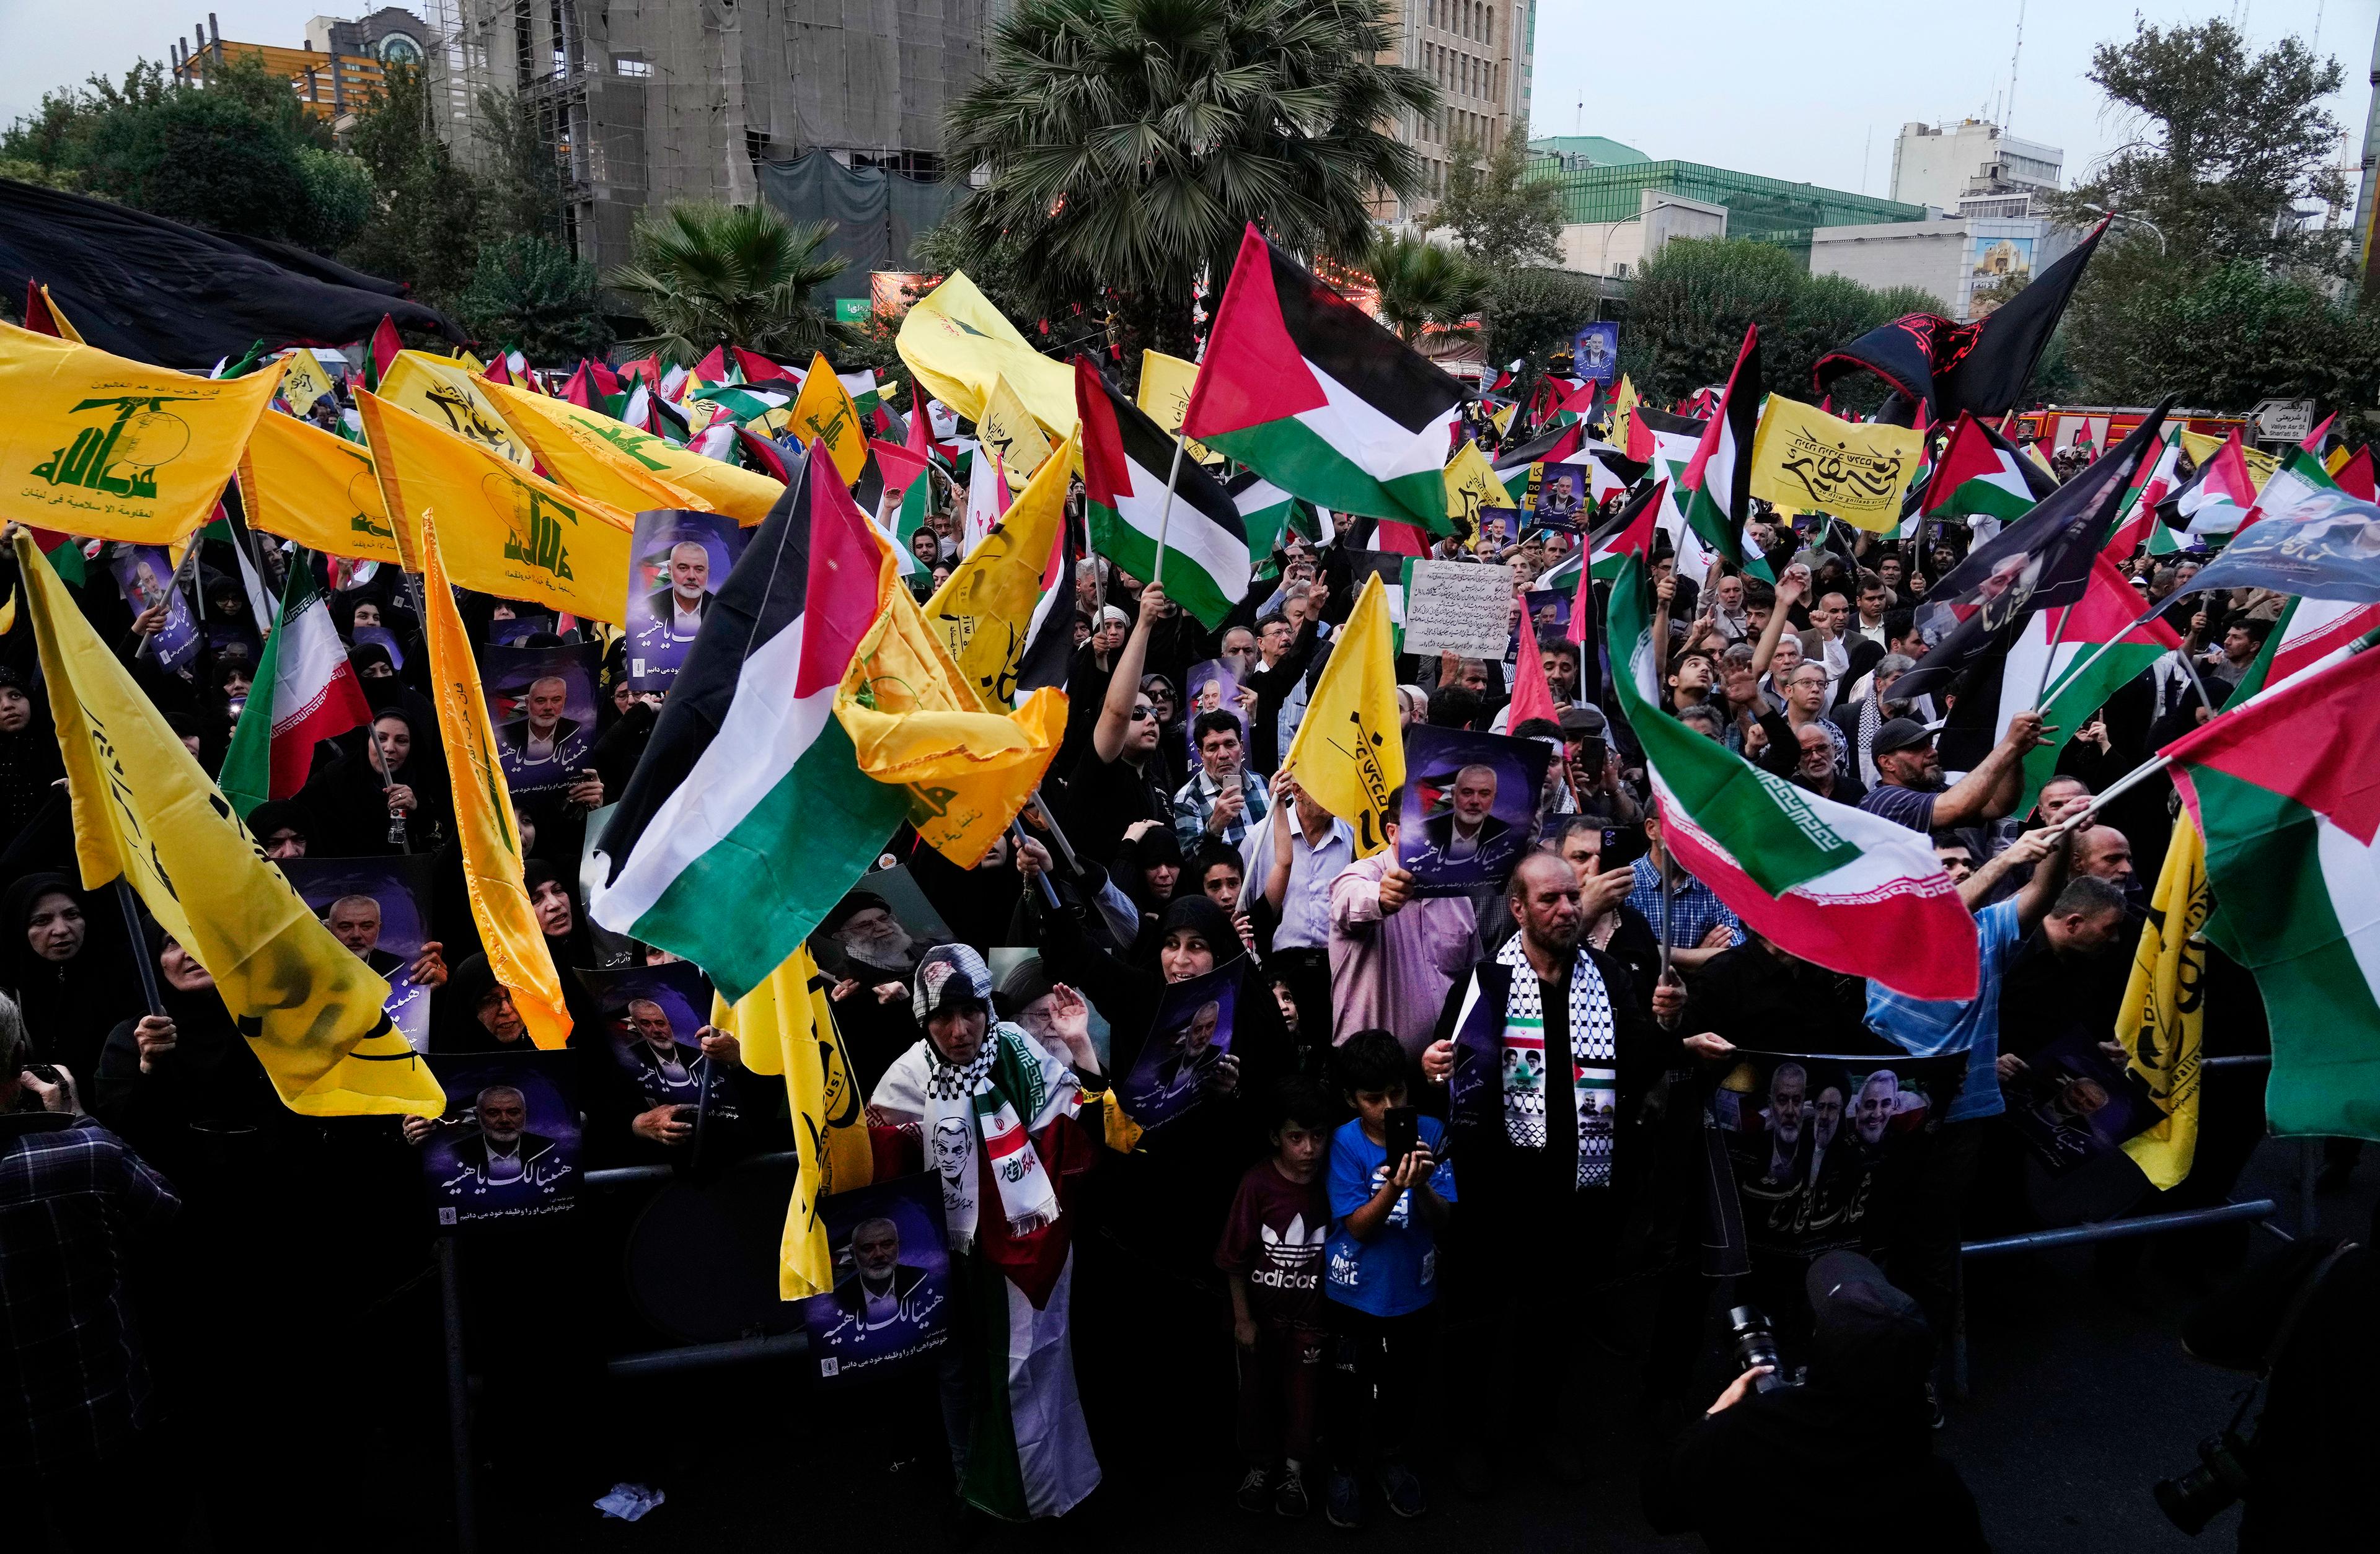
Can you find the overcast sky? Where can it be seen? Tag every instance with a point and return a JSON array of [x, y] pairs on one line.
[[1785, 90]]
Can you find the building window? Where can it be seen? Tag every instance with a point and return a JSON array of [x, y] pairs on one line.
[[632, 65], [1491, 27]]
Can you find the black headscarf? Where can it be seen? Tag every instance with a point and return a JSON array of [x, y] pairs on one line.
[[570, 950], [30, 765], [69, 1005], [1192, 909]]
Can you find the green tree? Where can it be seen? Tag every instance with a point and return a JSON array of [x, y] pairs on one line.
[[238, 154], [531, 294], [1127, 144], [427, 207], [707, 274], [1505, 219], [2220, 292], [1691, 302], [1422, 284], [521, 193]]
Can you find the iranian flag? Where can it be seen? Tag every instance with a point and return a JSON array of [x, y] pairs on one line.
[[304, 693], [748, 816], [2287, 792], [2311, 634], [1299, 385], [1720, 473], [1982, 474], [2087, 651], [1126, 460], [1847, 890]]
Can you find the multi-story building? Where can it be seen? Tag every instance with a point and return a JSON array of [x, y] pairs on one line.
[[1972, 168], [1619, 207], [1481, 53]]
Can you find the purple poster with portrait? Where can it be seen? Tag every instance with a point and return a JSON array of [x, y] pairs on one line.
[[1190, 1036], [652, 1019], [506, 629], [541, 705], [1558, 496], [2074, 1106], [505, 1145], [146, 576], [1214, 687], [1825, 1149], [889, 1310], [678, 560], [379, 909], [1471, 808]]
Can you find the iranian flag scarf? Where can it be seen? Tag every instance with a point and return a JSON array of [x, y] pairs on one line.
[[1593, 1054], [987, 1110]]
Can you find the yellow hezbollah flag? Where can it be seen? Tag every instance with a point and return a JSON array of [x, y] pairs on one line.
[[2162, 1019], [483, 813], [1502, 418], [823, 412], [505, 531], [2337, 460], [1624, 407], [983, 612], [441, 392], [740, 493], [1009, 432], [914, 720], [2202, 447], [302, 483], [786, 1029], [93, 444], [1165, 385], [592, 467], [303, 381], [1351, 727], [310, 1009], [1471, 486], [1806, 460], [955, 343]]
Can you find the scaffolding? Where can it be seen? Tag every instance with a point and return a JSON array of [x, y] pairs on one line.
[[645, 102]]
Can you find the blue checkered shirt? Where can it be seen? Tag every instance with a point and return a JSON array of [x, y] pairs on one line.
[[1695, 907]]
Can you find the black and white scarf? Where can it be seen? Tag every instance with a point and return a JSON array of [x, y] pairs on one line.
[[1593, 1054]]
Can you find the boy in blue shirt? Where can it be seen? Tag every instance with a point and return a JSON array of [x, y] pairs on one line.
[[1380, 1279]]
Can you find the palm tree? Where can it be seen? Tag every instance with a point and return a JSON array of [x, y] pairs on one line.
[[1422, 284], [708, 274], [1127, 143]]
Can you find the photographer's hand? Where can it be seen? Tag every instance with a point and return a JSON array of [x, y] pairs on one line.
[[1737, 1389]]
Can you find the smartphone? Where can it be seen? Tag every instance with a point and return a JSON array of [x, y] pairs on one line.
[[1622, 845], [1403, 1129]]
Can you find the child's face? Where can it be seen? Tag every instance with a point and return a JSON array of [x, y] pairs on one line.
[[1372, 1106], [1301, 1147]]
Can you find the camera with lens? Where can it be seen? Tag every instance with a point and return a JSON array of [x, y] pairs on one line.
[[2191, 1499], [1755, 1344]]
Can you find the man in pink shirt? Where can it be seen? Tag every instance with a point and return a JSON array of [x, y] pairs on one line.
[[1393, 956]]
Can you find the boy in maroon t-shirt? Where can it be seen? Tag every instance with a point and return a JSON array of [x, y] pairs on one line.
[[1272, 1248]]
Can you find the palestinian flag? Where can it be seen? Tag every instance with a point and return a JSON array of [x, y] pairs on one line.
[[1628, 534], [2284, 791], [2104, 638], [2218, 495], [2311, 634], [1266, 511], [1719, 474], [2136, 519], [1847, 890], [748, 817], [304, 693], [1981, 472], [1127, 457], [1300, 386]]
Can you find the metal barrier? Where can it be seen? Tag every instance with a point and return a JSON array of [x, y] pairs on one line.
[[2120, 1230]]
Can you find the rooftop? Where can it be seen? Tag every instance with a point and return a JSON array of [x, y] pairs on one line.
[[1767, 209]]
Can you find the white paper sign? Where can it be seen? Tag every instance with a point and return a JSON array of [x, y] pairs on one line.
[[1456, 607]]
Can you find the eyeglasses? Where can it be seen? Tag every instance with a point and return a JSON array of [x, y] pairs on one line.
[[1138, 713]]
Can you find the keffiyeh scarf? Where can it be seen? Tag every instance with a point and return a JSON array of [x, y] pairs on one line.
[[1595, 1081], [986, 1110]]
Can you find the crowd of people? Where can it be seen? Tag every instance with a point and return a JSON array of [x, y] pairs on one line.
[[1300, 1250]]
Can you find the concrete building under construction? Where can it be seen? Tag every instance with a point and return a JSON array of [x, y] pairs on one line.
[[650, 100]]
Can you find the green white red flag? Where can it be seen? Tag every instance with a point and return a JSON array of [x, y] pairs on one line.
[[304, 692], [1837, 886]]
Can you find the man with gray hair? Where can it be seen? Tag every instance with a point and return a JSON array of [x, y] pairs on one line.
[[74, 1198]]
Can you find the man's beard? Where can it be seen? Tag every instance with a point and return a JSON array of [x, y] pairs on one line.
[[884, 952]]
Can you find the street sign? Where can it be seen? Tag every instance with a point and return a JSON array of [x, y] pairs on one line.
[[2283, 421]]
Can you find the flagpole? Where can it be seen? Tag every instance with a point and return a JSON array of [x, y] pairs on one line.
[[2049, 659], [142, 960], [1165, 514]]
